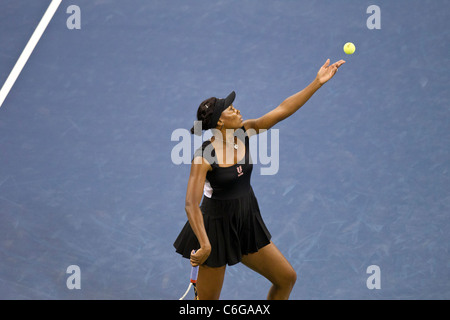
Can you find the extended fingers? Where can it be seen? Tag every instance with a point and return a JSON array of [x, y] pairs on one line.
[[334, 67], [339, 63], [336, 64], [326, 63]]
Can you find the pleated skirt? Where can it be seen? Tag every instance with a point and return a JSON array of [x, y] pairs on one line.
[[234, 228]]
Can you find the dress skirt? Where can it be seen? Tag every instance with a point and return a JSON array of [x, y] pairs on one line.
[[234, 228]]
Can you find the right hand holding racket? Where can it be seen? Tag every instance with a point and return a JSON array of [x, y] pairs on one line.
[[199, 257]]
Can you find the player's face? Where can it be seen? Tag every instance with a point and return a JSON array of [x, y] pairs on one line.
[[231, 117]]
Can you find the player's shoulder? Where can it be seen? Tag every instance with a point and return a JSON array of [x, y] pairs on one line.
[[250, 127], [205, 155]]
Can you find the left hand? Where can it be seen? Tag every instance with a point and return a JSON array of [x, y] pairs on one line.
[[327, 72]]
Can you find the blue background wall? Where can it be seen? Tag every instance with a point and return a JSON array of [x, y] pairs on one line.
[[86, 176]]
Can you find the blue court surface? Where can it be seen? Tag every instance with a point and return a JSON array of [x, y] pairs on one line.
[[360, 204]]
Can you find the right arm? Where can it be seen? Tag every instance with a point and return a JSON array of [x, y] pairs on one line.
[[194, 195]]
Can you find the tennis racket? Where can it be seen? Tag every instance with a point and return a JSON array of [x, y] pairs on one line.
[[193, 283]]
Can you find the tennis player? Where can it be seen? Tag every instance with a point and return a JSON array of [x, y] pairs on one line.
[[226, 227]]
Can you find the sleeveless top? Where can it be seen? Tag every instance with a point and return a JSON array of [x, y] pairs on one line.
[[231, 214], [226, 182]]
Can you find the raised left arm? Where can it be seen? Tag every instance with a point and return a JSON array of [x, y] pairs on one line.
[[296, 101]]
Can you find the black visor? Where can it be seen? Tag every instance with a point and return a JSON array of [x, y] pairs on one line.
[[219, 106]]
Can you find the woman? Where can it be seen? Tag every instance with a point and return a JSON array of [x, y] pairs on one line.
[[227, 228]]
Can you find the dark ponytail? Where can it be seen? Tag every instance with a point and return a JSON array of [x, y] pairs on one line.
[[204, 113]]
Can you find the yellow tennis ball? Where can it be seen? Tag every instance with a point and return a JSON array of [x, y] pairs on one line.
[[349, 48]]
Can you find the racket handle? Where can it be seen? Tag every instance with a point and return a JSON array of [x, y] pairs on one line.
[[194, 274]]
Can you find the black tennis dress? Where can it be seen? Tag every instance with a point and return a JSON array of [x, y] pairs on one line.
[[230, 210]]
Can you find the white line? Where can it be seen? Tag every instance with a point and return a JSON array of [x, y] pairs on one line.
[[48, 15]]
